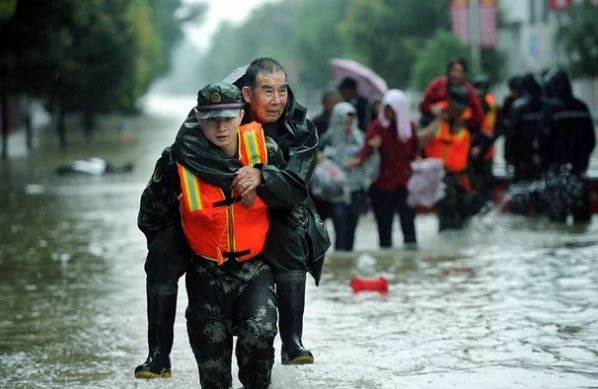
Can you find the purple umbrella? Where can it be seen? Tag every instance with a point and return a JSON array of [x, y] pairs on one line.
[[368, 82]]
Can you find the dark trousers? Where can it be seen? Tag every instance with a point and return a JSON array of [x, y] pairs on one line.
[[167, 260], [222, 306], [345, 217], [566, 194], [385, 203]]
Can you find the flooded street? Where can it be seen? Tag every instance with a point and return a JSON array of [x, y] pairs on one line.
[[509, 302]]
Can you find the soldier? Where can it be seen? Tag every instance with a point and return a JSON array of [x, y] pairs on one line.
[[230, 288]]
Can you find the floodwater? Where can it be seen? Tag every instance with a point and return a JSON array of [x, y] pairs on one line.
[[508, 302]]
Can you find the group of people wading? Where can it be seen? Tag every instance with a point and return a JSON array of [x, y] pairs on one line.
[[549, 137]]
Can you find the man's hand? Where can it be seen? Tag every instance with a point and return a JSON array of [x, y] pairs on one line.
[[436, 109], [248, 199], [247, 180]]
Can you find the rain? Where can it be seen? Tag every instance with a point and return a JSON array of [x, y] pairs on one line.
[[94, 92]]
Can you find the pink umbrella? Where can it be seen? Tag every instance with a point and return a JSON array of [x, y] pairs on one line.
[[368, 82]]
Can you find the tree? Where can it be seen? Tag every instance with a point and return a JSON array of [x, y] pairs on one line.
[[317, 40], [444, 46], [433, 58], [387, 35], [579, 38], [93, 56]]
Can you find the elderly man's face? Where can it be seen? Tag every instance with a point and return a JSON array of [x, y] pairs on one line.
[[268, 98]]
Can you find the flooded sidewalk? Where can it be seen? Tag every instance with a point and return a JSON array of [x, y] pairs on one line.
[[509, 302]]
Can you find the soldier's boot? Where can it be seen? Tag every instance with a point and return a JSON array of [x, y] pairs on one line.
[[290, 287], [161, 310]]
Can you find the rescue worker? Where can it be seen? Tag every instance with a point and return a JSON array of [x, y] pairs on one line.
[[448, 138], [573, 141], [527, 147], [230, 287], [436, 92], [297, 239], [482, 149]]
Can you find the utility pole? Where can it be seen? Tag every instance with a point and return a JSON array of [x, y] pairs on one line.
[[474, 36]]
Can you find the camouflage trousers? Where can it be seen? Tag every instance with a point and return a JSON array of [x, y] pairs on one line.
[[237, 299]]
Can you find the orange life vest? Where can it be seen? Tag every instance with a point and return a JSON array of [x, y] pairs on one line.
[[465, 115], [451, 147], [217, 226], [489, 122]]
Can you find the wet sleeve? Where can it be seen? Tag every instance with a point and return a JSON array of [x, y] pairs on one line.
[[159, 206], [286, 186], [366, 149]]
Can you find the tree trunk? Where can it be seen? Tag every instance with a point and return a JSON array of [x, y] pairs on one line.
[[88, 122], [4, 114], [60, 125]]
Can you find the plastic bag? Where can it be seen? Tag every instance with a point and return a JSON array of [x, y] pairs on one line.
[[329, 182], [370, 168], [426, 186]]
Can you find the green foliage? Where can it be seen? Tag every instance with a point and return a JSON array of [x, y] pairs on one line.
[[7, 9], [268, 34], [444, 46], [301, 35], [387, 35], [318, 39], [579, 38], [93, 55], [437, 52]]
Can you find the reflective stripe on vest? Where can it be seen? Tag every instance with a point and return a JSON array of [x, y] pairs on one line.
[[252, 147], [489, 122], [216, 226], [452, 148]]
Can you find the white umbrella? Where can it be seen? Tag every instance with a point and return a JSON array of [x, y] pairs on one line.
[[368, 82]]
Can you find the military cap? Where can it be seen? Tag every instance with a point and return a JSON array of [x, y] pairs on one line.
[[219, 100]]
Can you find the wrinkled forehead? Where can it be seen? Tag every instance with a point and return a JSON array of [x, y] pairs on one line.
[[274, 80]]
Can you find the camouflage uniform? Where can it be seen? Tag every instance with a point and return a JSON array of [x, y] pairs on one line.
[[235, 299]]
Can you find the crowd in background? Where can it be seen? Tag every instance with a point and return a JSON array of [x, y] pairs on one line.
[[371, 145]]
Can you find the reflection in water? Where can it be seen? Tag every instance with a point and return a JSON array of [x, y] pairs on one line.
[[507, 303]]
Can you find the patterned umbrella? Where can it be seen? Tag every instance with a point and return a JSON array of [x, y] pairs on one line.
[[368, 82]]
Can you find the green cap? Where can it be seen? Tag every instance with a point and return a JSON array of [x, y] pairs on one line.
[[219, 100]]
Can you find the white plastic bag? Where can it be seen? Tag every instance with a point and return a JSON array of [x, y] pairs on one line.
[[425, 185], [329, 182]]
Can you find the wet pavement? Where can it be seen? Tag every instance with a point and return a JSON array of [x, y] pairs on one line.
[[509, 302]]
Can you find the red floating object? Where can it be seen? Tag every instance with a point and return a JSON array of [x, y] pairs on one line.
[[359, 284]]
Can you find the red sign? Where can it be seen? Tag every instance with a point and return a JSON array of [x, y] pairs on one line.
[[557, 5], [487, 23], [460, 19]]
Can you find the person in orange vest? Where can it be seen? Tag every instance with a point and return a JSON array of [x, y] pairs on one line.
[[482, 149], [448, 139], [229, 285], [437, 90], [297, 239]]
